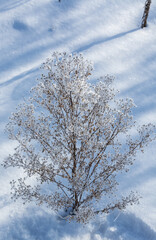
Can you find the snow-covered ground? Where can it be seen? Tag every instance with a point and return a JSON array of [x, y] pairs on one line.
[[108, 33]]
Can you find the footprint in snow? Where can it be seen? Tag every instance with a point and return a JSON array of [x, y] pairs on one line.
[[20, 26]]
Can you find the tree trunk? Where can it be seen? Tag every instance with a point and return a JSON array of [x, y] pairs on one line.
[[146, 12]]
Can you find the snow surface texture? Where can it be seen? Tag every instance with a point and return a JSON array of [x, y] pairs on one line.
[[108, 33]]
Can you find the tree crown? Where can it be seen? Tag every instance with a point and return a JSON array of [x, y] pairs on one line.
[[74, 136]]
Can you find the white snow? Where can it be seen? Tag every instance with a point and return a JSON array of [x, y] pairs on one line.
[[108, 33]]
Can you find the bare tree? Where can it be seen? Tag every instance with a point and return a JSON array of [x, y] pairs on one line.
[[74, 139], [146, 13]]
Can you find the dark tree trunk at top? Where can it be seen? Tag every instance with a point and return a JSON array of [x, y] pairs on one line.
[[146, 13]]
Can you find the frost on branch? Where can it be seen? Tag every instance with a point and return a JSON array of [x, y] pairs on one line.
[[74, 140]]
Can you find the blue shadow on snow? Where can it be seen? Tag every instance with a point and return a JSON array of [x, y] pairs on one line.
[[99, 41]]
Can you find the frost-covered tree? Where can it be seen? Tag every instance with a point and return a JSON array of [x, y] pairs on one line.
[[146, 13], [73, 139]]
